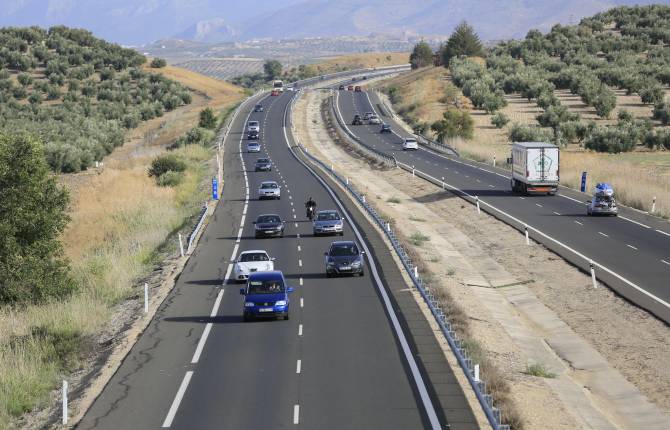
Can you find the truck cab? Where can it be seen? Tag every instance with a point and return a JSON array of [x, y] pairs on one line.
[[535, 168]]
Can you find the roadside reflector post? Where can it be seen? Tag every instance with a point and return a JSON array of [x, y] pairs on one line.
[[416, 272], [363, 198], [593, 275], [65, 414], [494, 161], [479, 211], [181, 245], [412, 171], [331, 167], [442, 182], [527, 237], [476, 372], [388, 227], [146, 298], [653, 205], [347, 179]]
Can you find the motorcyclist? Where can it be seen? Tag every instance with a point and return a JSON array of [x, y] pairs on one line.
[[310, 206]]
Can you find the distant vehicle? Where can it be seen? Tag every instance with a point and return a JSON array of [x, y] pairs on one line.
[[364, 77], [357, 89], [385, 128], [350, 88], [603, 202], [266, 296], [278, 85], [534, 167], [258, 108], [353, 79], [252, 135], [268, 226], [410, 144], [254, 126], [253, 147], [367, 115], [374, 119], [263, 165], [269, 190], [357, 120], [341, 87], [274, 93], [344, 258], [251, 262], [328, 222]]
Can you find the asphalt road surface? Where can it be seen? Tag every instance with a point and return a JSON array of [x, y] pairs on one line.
[[339, 362], [635, 246]]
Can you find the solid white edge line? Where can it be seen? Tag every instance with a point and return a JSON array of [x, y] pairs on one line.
[[633, 221], [407, 351], [662, 232], [177, 400], [663, 261], [574, 251]]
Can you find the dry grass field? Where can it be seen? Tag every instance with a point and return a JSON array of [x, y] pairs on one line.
[[360, 61], [120, 220]]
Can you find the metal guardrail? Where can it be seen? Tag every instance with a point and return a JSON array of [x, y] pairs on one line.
[[492, 413], [196, 229]]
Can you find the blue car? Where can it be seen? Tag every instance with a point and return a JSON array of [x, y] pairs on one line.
[[266, 296]]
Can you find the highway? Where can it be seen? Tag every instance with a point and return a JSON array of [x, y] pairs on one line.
[[348, 358], [634, 246]]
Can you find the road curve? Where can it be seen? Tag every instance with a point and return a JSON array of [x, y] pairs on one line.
[[633, 246], [337, 363]]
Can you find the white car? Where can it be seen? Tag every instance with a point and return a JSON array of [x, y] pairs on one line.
[[367, 115], [374, 119], [269, 190], [410, 144], [252, 261], [254, 126]]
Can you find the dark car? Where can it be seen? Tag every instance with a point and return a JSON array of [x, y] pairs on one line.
[[344, 258], [350, 88], [385, 128], [266, 295], [357, 89], [353, 79], [263, 165], [258, 108], [364, 77], [268, 226], [357, 120], [252, 135], [341, 87]]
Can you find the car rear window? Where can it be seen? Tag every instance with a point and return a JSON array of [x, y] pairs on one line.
[[266, 186], [327, 216], [254, 256], [263, 160], [252, 123]]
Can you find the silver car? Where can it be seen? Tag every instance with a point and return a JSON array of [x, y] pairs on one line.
[[602, 205], [269, 190], [253, 147], [328, 222], [374, 119]]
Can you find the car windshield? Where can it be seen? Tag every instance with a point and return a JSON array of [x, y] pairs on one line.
[[268, 219], [258, 106], [254, 144], [263, 160], [266, 287], [266, 186], [343, 250], [254, 256], [327, 216]]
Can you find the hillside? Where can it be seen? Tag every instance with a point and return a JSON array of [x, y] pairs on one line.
[[360, 61], [78, 93]]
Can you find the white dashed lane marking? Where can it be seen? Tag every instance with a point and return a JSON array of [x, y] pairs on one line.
[[600, 232]]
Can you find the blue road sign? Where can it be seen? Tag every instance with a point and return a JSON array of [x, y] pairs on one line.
[[215, 189], [583, 187]]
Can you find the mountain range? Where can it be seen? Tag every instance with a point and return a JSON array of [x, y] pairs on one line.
[[136, 22]]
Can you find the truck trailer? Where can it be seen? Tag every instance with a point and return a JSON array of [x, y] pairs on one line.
[[534, 168]]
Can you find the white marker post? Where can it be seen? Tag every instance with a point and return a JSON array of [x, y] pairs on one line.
[[412, 171], [593, 275], [363, 198], [442, 182], [181, 246], [476, 372], [65, 414], [416, 272], [347, 179], [653, 205], [479, 211], [494, 161], [527, 237], [146, 298]]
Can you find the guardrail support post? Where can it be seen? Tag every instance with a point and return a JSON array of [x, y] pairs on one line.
[[65, 413], [416, 272], [593, 275], [476, 372], [653, 205], [525, 227], [479, 211], [181, 245], [146, 298]]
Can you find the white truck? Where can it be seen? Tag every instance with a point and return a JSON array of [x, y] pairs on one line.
[[534, 168], [278, 85]]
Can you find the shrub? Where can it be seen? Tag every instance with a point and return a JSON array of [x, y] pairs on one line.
[[20, 93], [454, 123], [611, 139], [553, 116], [207, 119], [624, 115], [158, 63], [24, 79], [169, 179], [658, 139], [499, 120], [605, 102], [662, 112], [166, 163], [547, 99], [526, 133]]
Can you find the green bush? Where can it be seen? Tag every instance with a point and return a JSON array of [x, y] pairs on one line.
[[526, 133], [613, 139], [454, 123], [158, 63], [207, 119], [662, 112], [658, 139], [499, 120], [166, 163], [169, 179], [554, 115]]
